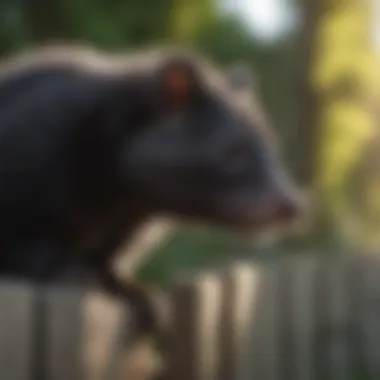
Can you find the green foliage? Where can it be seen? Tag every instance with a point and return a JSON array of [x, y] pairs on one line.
[[189, 17], [190, 249], [347, 78]]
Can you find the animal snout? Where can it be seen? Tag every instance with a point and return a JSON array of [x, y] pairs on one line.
[[281, 206]]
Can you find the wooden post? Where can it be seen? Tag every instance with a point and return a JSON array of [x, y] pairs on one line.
[[241, 287], [196, 312], [16, 331], [64, 328], [368, 289]]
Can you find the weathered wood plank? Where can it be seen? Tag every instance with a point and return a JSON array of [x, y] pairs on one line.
[[303, 280], [339, 345], [264, 330], [322, 337], [369, 314], [353, 282], [296, 312], [16, 331], [63, 334], [284, 317], [196, 313], [107, 323], [241, 284]]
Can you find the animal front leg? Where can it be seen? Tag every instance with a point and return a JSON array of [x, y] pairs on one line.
[[136, 250], [146, 310]]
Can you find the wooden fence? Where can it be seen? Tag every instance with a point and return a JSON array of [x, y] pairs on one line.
[[304, 318], [67, 334]]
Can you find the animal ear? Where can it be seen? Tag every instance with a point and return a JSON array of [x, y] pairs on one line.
[[240, 77], [179, 81]]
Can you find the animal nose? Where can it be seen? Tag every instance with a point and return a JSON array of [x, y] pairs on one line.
[[290, 205], [282, 206]]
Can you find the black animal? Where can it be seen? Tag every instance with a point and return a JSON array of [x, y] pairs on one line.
[[92, 145]]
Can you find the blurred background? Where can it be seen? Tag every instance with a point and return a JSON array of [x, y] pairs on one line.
[[317, 72]]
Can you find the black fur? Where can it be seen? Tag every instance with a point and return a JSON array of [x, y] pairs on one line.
[[91, 146]]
